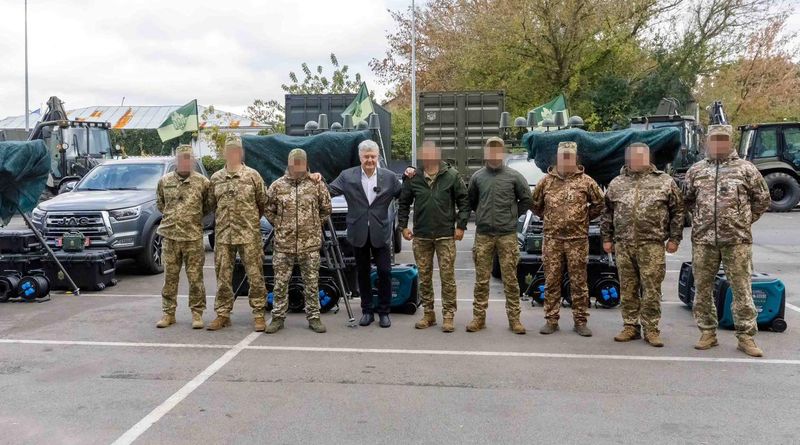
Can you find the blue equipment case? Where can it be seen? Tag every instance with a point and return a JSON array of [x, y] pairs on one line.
[[769, 296], [405, 282]]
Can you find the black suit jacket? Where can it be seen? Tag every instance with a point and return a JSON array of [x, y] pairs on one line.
[[365, 220]]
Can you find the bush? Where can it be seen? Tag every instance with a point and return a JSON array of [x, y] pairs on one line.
[[212, 164]]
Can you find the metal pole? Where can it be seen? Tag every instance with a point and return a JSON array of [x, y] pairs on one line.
[[413, 84], [27, 108]]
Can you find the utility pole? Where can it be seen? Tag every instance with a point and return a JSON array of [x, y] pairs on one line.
[[413, 84], [27, 108]]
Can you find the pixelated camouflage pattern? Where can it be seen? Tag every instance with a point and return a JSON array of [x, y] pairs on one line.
[[239, 200], [183, 203], [192, 256], [251, 255], [641, 268], [737, 261], [296, 208], [283, 264], [574, 253], [725, 198], [567, 204], [445, 251], [483, 253], [643, 207]]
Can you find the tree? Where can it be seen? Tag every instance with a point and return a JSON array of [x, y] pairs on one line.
[[269, 112], [401, 133], [213, 136]]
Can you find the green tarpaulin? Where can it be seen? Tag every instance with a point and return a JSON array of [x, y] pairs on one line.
[[603, 154], [328, 153], [24, 167]]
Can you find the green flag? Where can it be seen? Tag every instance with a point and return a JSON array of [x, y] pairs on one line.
[[548, 110], [361, 107], [179, 121]]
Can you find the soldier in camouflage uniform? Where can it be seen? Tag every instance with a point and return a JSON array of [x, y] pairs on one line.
[[498, 195], [644, 209], [297, 206], [440, 204], [182, 199], [239, 198], [566, 199], [725, 195]]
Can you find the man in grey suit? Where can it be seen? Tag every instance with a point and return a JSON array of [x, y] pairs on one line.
[[369, 191]]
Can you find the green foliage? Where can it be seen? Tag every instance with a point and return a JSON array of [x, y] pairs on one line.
[[145, 142], [212, 164], [401, 133], [268, 112]]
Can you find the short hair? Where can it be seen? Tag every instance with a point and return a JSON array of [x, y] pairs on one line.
[[638, 145], [368, 145], [495, 142]]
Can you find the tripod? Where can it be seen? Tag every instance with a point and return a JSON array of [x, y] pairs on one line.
[[334, 260]]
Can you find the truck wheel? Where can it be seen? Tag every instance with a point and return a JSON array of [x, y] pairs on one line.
[[783, 190], [150, 259]]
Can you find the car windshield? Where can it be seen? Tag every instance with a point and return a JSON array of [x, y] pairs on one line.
[[99, 142], [529, 170], [122, 177]]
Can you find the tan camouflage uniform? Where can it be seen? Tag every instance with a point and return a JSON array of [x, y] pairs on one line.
[[725, 197], [642, 211], [566, 204], [239, 199], [183, 202], [296, 209]]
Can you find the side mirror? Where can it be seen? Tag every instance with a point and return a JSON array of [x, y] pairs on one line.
[[70, 186]]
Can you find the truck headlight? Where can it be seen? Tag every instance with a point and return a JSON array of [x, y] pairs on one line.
[[37, 215], [126, 214]]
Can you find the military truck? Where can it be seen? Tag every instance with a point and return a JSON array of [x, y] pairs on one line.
[[75, 147], [775, 149]]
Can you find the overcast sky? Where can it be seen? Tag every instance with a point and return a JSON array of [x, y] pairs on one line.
[[225, 53]]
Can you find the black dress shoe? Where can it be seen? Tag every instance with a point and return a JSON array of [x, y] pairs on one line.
[[366, 319], [384, 321]]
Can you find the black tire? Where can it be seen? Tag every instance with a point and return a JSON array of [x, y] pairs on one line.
[[150, 259], [496, 268], [778, 325], [784, 191]]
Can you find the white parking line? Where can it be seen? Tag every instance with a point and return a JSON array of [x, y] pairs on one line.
[[112, 343], [793, 307], [161, 410]]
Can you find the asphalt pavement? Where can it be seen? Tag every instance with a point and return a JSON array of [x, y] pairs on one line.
[[93, 369]]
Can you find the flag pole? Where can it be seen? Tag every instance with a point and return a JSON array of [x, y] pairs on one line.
[[27, 108], [413, 84]]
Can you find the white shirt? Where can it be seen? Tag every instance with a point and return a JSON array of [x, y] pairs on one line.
[[369, 184]]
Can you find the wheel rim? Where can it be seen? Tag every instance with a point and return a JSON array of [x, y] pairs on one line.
[[157, 250], [778, 193]]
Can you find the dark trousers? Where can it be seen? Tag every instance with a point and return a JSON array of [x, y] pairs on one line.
[[383, 262]]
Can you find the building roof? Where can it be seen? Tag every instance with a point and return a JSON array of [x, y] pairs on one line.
[[139, 117]]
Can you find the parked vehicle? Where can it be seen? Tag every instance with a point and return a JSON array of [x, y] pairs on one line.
[[775, 149]]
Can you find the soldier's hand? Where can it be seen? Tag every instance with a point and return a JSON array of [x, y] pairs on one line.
[[608, 247], [408, 234], [672, 246], [316, 177], [459, 235], [410, 172]]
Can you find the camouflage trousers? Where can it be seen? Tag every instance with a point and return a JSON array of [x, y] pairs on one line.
[[737, 261], [225, 258], [445, 250], [557, 253], [484, 250], [641, 271], [191, 255], [283, 264]]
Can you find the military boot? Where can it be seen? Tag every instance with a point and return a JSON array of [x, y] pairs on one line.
[[197, 320], [748, 346], [628, 333], [428, 320], [707, 341], [219, 323], [653, 338], [476, 324], [165, 321], [259, 324], [516, 327], [447, 324], [548, 328], [582, 330], [315, 324], [275, 325]]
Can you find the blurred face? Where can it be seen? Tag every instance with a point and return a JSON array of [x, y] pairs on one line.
[[298, 167], [719, 146], [430, 155], [493, 154], [233, 155], [183, 163], [637, 158], [567, 163], [369, 160]]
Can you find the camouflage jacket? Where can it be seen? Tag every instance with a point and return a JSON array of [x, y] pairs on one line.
[[725, 197], [183, 203], [239, 200], [296, 209], [643, 207], [567, 204]]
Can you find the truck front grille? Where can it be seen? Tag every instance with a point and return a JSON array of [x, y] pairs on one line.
[[90, 224]]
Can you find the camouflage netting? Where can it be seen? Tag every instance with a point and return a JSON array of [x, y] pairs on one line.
[[328, 153], [24, 167], [603, 154]]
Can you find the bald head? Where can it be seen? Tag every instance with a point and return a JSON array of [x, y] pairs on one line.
[[637, 157]]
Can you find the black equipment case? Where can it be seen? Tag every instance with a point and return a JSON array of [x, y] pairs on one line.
[[92, 269], [18, 241]]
